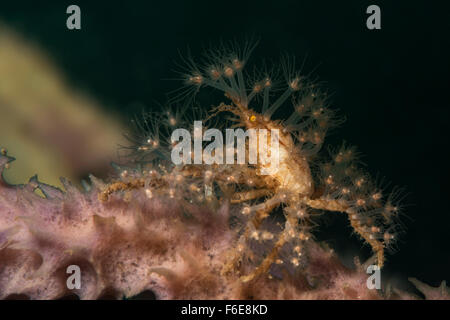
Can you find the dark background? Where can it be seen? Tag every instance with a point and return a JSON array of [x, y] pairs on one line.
[[391, 84]]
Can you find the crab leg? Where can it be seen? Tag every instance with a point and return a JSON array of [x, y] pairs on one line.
[[249, 195], [342, 206]]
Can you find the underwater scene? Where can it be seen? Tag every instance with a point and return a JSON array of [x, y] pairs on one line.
[[253, 150]]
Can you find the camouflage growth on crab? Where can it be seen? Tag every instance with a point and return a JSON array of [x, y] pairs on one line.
[[302, 184]]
